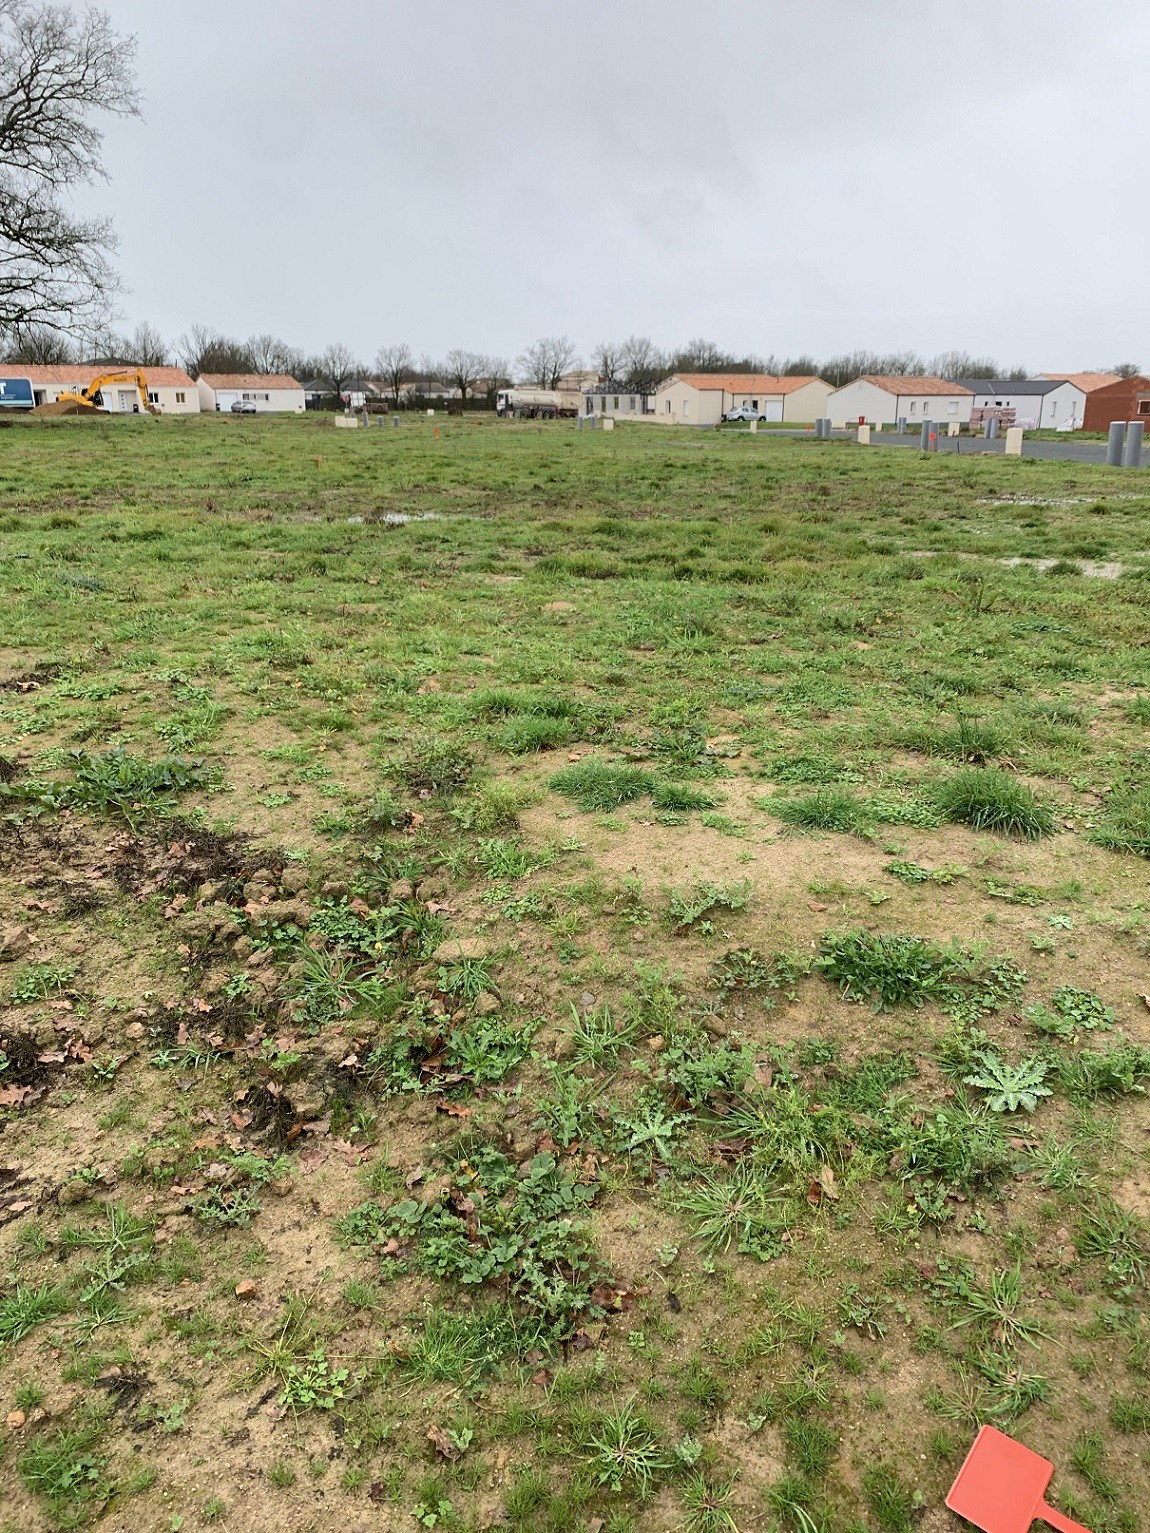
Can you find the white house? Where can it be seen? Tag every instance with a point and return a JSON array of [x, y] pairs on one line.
[[170, 389], [702, 399], [883, 401], [1036, 403], [267, 391]]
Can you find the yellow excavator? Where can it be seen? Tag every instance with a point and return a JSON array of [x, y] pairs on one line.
[[89, 398]]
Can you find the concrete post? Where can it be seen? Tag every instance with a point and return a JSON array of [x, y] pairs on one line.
[[395, 421], [579, 423], [952, 428], [924, 436], [754, 426], [1013, 447], [1114, 444], [1134, 434], [864, 435], [902, 425]]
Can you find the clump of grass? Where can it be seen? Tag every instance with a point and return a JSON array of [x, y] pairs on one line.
[[893, 1505], [1125, 824], [623, 1450], [600, 785], [494, 806], [969, 740], [24, 1309], [66, 1470], [825, 809], [680, 796], [524, 733], [988, 798], [436, 766]]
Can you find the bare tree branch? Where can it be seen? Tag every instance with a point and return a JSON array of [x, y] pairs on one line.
[[463, 369], [394, 366], [545, 363], [57, 70]]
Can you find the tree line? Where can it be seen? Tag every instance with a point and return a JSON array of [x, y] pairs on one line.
[[636, 363]]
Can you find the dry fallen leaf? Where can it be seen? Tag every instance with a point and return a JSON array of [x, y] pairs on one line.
[[443, 1444]]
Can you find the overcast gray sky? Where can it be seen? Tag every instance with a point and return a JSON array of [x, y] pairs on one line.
[[772, 175]]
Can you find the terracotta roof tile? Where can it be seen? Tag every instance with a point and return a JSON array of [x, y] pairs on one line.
[[744, 383], [250, 381], [894, 384], [157, 377], [1085, 381]]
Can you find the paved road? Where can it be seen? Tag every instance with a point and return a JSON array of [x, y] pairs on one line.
[[1069, 451]]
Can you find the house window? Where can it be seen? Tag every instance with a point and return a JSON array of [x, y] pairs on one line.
[[1053, 408], [913, 406], [952, 406], [180, 399], [590, 405], [686, 407], [630, 401], [1144, 407], [668, 407], [603, 404], [754, 404], [616, 399], [266, 398], [153, 399]]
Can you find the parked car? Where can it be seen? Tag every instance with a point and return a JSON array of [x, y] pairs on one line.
[[243, 407], [743, 413]]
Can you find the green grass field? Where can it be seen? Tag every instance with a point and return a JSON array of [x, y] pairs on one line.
[[558, 980]]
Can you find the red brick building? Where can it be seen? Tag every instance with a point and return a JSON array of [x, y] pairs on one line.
[[1126, 400]]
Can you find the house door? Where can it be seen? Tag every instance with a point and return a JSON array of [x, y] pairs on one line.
[[126, 400]]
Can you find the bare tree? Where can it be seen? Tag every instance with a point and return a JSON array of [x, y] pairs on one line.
[[960, 364], [205, 350], [58, 69], [498, 376], [545, 363], [394, 366], [795, 367], [38, 346], [700, 356], [463, 369], [270, 355], [337, 366], [145, 347], [1124, 369], [607, 360], [855, 364], [641, 362]]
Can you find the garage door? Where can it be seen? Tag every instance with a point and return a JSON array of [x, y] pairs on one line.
[[773, 409]]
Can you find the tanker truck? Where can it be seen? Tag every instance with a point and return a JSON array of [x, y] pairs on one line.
[[536, 404]]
